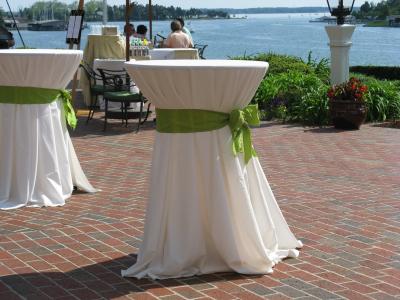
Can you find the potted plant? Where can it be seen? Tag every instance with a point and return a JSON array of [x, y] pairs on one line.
[[347, 107]]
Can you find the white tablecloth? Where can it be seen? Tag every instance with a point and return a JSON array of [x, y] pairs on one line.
[[38, 164], [207, 211], [173, 53], [108, 64]]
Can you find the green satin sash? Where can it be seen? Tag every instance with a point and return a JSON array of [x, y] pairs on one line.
[[33, 95], [196, 120]]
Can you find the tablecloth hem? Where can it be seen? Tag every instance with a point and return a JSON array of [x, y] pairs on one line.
[[34, 205], [141, 270]]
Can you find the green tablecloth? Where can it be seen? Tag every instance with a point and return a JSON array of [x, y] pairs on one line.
[[100, 46]]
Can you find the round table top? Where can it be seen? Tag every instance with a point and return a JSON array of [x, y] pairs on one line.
[[39, 51], [218, 85], [43, 68], [209, 63]]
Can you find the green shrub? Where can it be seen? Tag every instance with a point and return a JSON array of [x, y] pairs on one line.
[[383, 100], [294, 96], [321, 68], [279, 63], [396, 83], [313, 107]]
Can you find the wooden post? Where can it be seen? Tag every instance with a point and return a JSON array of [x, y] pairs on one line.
[[151, 20], [71, 46], [128, 10]]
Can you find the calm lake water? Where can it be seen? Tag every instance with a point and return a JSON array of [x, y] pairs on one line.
[[282, 33]]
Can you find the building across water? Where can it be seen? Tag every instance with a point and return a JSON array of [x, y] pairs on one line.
[[394, 20]]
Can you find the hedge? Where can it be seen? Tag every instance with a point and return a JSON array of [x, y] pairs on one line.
[[379, 72]]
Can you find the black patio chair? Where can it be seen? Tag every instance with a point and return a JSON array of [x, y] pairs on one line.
[[121, 85], [159, 40], [96, 89]]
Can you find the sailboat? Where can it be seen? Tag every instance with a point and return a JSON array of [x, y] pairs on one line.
[[47, 24]]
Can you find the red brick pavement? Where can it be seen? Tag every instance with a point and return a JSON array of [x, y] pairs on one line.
[[339, 191]]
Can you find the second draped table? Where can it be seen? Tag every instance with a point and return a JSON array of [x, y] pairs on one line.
[[207, 210], [173, 53]]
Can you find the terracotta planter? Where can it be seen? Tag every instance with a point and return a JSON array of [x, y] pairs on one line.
[[347, 114]]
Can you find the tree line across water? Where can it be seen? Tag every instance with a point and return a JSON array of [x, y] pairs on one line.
[[45, 10], [379, 11]]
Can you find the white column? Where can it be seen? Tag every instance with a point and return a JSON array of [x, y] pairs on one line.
[[340, 43]]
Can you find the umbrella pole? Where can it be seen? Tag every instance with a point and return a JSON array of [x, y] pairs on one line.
[[127, 14], [151, 20]]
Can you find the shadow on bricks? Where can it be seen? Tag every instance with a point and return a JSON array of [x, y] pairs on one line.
[[104, 280]]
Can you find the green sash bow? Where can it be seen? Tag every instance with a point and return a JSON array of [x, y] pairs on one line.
[[196, 120], [33, 95]]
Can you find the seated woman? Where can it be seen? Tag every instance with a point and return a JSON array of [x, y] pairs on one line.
[[177, 39], [141, 32], [185, 29]]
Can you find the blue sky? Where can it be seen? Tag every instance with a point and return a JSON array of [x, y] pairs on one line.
[[203, 3]]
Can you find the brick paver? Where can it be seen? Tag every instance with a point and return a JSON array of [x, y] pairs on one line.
[[339, 191]]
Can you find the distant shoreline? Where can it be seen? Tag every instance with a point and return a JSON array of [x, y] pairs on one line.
[[275, 10]]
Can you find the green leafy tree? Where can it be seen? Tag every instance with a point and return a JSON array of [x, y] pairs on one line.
[[380, 10], [364, 11], [93, 10], [365, 8], [44, 10]]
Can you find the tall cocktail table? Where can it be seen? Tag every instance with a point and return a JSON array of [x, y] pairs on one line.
[[208, 209], [38, 163]]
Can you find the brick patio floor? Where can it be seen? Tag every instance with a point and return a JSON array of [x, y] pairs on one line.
[[339, 191]]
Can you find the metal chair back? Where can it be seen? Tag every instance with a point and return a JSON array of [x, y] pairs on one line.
[[119, 80], [91, 74], [201, 49]]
